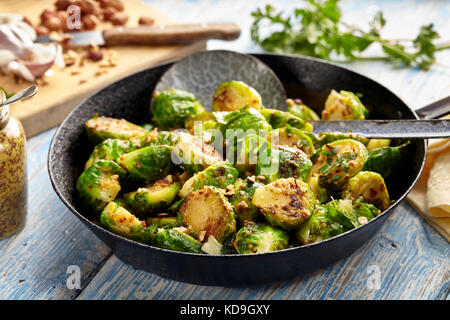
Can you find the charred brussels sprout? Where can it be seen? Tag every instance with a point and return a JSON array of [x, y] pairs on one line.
[[193, 154], [285, 162], [242, 200], [172, 107], [163, 221], [349, 214], [233, 95], [102, 128], [384, 160], [260, 238], [110, 149], [120, 221], [319, 191], [207, 210], [174, 240], [246, 119], [219, 175], [378, 143], [248, 151], [339, 161], [369, 187], [285, 203], [157, 196], [292, 137], [99, 184], [280, 119], [298, 109], [147, 164], [344, 105]]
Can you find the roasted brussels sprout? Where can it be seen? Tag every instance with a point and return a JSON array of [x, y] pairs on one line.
[[163, 220], [219, 175], [350, 214], [120, 221], [292, 137], [102, 128], [243, 192], [299, 109], [172, 107], [99, 184], [285, 203], [248, 150], [233, 95], [175, 240], [339, 161], [207, 210], [147, 164], [378, 143], [369, 187], [246, 119], [320, 192], [344, 105], [160, 138], [280, 119], [157, 196], [384, 160], [260, 238], [109, 149], [201, 125], [284, 162], [193, 154]]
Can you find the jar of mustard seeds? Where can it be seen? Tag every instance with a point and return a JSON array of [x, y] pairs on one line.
[[13, 173]]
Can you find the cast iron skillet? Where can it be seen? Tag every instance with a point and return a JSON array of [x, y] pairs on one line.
[[305, 78]]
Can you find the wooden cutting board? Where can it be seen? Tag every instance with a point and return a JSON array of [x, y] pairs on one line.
[[66, 88]]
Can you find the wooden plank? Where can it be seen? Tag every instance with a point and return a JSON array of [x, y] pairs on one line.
[[34, 262], [413, 261], [64, 91]]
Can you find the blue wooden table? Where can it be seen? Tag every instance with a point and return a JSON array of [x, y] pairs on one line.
[[407, 259]]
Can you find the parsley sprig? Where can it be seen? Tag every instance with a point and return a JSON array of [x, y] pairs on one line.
[[317, 30]]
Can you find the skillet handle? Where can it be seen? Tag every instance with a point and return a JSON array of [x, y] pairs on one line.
[[435, 110]]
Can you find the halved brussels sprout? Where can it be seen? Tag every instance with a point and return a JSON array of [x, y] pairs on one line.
[[280, 119], [157, 196], [339, 161], [319, 191], [109, 149], [248, 150], [299, 109], [246, 119], [147, 164], [344, 105], [285, 203], [260, 238], [233, 95], [163, 220], [350, 214], [160, 138], [284, 162], [242, 200], [378, 143], [207, 210], [174, 240], [292, 137], [172, 107], [219, 175], [201, 125], [193, 154], [99, 184], [120, 221], [102, 128], [369, 187], [385, 160]]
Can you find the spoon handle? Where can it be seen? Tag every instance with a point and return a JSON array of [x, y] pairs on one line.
[[408, 129], [26, 93]]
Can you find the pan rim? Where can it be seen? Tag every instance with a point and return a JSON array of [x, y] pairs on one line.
[[89, 223]]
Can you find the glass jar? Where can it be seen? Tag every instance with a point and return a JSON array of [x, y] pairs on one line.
[[13, 173]]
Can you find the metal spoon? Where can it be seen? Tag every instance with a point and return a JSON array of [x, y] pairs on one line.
[[26, 93]]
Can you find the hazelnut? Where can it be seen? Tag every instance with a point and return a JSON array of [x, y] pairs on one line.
[[63, 16], [108, 12], [90, 21], [62, 4], [119, 19], [41, 30], [53, 23], [95, 55], [90, 7], [146, 21], [46, 14], [116, 4]]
